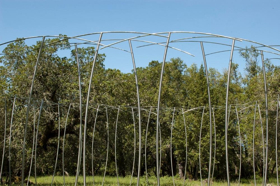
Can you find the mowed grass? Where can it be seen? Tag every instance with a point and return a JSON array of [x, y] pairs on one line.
[[113, 181]]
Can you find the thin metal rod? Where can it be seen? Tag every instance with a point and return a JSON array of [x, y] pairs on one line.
[[33, 146], [266, 116], [160, 148], [186, 138], [81, 115], [262, 142], [107, 155], [10, 141], [4, 143], [86, 112], [200, 134], [147, 129], [27, 112], [63, 143], [134, 151], [92, 144], [226, 111], [139, 112], [36, 142], [58, 142], [240, 148], [276, 138], [254, 126], [116, 132], [158, 106], [171, 150], [215, 149], [210, 114]]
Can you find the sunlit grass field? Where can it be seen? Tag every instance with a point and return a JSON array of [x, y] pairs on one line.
[[113, 181]]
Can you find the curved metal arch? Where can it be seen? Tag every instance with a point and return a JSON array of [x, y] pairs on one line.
[[240, 148], [260, 115], [164, 46]]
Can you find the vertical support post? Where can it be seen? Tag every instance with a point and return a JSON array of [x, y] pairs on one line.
[[147, 129], [158, 107], [4, 143], [260, 114], [210, 114], [27, 111], [108, 138], [116, 133], [200, 133], [254, 124], [186, 138], [214, 122], [63, 143], [33, 146], [134, 149], [80, 108], [36, 142], [92, 143], [10, 141], [266, 116], [58, 140], [171, 151], [240, 148], [226, 112], [139, 111], [86, 112], [276, 138]]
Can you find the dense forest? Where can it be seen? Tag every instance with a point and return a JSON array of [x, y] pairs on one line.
[[184, 87]]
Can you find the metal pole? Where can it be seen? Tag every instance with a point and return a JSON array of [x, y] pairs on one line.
[[210, 114], [107, 127], [200, 147], [158, 106], [4, 144], [254, 124], [10, 140], [33, 146], [262, 142], [92, 157], [36, 142], [134, 151], [266, 116], [139, 111], [171, 157], [147, 129], [215, 143], [226, 112], [186, 138], [86, 112], [64, 134], [276, 137], [80, 108], [240, 153], [58, 140], [27, 112], [116, 132]]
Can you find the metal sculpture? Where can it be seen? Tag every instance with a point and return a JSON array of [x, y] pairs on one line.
[[196, 37]]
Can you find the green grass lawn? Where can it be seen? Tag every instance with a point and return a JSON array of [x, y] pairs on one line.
[[112, 181]]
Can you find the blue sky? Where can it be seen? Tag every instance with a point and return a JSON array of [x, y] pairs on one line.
[[250, 19]]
